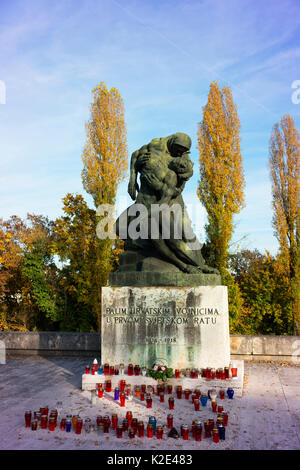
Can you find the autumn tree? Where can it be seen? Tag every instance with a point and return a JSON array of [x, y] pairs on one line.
[[221, 186], [105, 153], [284, 159], [105, 159]]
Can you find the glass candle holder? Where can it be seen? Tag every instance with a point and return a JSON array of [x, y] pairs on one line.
[[149, 402], [185, 432], [143, 388], [51, 424], [125, 424], [130, 369], [218, 374], [234, 371], [221, 430], [137, 370], [214, 406], [169, 389], [220, 408], [114, 421], [134, 424], [198, 432], [193, 373], [108, 386], [122, 385], [129, 418], [230, 393], [106, 369], [87, 425], [161, 397], [116, 370], [137, 391], [142, 396], [44, 420], [159, 432], [119, 432], [27, 418], [196, 404], [79, 424], [225, 418], [99, 420], [100, 392], [34, 424], [170, 421], [87, 369], [171, 403], [121, 369], [203, 399], [122, 399], [213, 374], [149, 430], [177, 373], [116, 394], [152, 421], [211, 424], [223, 374], [213, 395], [179, 392], [111, 370], [187, 393], [141, 429], [222, 394], [216, 437], [207, 429], [208, 373], [144, 371], [131, 433], [68, 424], [226, 372]]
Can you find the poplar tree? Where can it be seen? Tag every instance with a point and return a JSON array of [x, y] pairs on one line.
[[284, 160], [221, 186]]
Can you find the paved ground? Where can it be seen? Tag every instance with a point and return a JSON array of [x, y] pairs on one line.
[[267, 416]]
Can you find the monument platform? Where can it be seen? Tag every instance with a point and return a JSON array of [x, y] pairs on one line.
[[89, 381], [182, 327]]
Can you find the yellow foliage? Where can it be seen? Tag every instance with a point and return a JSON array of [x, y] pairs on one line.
[[221, 186]]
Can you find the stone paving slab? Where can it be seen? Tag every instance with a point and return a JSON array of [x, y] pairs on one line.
[[266, 417]]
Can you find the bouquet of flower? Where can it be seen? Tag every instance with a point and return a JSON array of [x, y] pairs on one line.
[[160, 372]]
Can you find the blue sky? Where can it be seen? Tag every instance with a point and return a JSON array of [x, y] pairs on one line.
[[162, 56]]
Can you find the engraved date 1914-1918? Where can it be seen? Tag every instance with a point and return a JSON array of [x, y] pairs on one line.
[[163, 340]]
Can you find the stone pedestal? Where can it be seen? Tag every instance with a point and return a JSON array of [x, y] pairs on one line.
[[181, 326]]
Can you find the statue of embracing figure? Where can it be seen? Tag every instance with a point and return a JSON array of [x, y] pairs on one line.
[[164, 166]]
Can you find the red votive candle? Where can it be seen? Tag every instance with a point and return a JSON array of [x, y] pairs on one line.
[[141, 429], [122, 399], [130, 369], [143, 388], [149, 401], [111, 370], [197, 404], [119, 432], [214, 406], [159, 432], [122, 385], [226, 372], [198, 432], [131, 433], [34, 425], [177, 373], [27, 418], [114, 421], [87, 369], [187, 393], [225, 418], [108, 385], [185, 432], [125, 424], [170, 421], [220, 409], [78, 426], [106, 369], [161, 397], [169, 389], [100, 392], [44, 420], [208, 373], [171, 403], [179, 392], [142, 396], [99, 420], [51, 424], [222, 394], [207, 429], [216, 437], [150, 430], [234, 371], [223, 374], [63, 424], [137, 370]]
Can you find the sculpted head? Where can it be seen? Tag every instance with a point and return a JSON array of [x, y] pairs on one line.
[[178, 144]]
